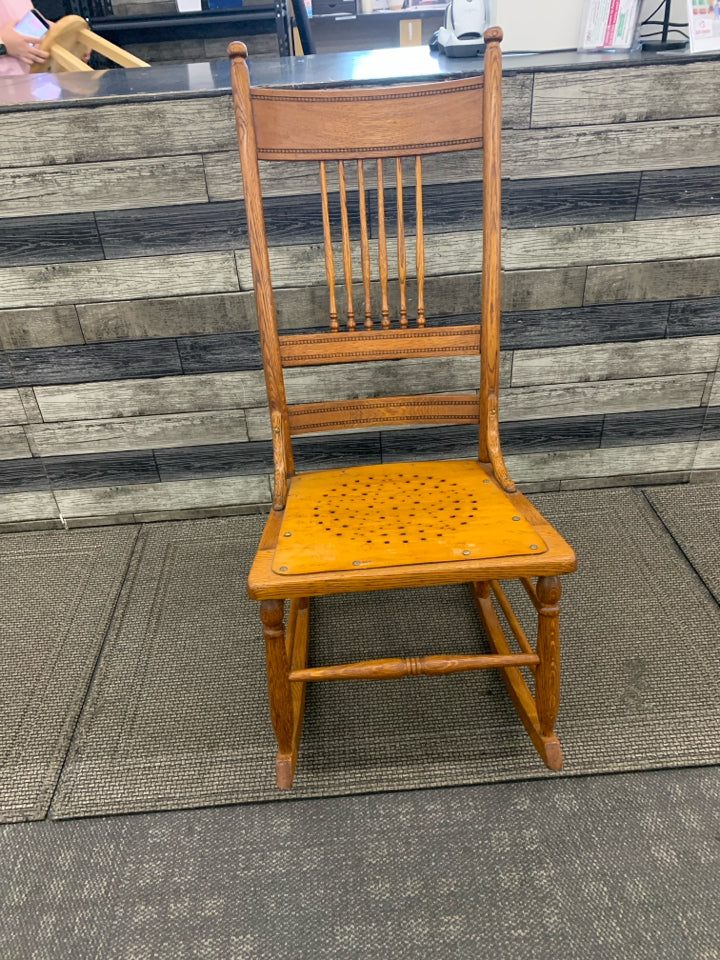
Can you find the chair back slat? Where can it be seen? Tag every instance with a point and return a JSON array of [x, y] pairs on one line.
[[403, 121], [329, 260], [445, 408], [401, 252], [301, 349], [346, 249], [382, 247], [365, 247], [419, 243]]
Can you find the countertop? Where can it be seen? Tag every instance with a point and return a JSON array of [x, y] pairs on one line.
[[404, 64]]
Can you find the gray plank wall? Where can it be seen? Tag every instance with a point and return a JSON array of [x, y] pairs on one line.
[[130, 381]]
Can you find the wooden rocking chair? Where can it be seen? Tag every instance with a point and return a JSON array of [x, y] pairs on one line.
[[393, 524]]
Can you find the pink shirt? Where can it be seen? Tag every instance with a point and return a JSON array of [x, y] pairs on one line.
[[10, 12]]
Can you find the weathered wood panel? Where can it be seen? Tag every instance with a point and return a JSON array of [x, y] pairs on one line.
[[218, 460], [653, 426], [161, 128], [711, 424], [544, 202], [571, 151], [672, 193], [449, 207], [432, 443], [102, 186], [593, 324], [656, 92], [546, 247], [593, 243], [29, 402], [136, 433], [143, 398], [77, 363], [542, 289], [663, 280], [29, 239], [233, 459], [604, 396], [219, 352], [169, 496], [21, 475], [39, 327], [624, 480], [605, 462], [650, 358], [302, 307], [172, 316], [11, 408], [216, 226], [130, 279], [6, 379], [19, 507], [708, 455], [13, 443], [694, 317], [100, 469]]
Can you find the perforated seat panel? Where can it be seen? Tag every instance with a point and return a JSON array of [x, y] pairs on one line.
[[419, 512]]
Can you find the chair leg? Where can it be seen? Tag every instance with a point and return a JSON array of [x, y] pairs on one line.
[[547, 687], [283, 652], [547, 674]]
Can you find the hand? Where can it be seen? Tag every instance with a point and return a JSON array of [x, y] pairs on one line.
[[22, 46]]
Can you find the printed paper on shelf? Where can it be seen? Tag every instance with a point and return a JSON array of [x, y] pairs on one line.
[[612, 23], [609, 24], [704, 25]]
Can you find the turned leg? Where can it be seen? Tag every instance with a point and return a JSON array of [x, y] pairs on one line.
[[547, 674], [272, 614]]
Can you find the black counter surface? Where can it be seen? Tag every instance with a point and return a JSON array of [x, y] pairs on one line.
[[320, 70]]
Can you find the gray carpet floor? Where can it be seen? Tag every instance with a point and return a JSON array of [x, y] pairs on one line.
[[126, 675], [692, 515], [58, 596], [170, 671], [176, 715], [618, 867]]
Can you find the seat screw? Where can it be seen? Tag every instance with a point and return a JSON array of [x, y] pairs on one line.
[[514, 518], [533, 546], [283, 569], [287, 533], [356, 563]]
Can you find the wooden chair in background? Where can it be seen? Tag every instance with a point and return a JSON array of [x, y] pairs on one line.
[[393, 524], [69, 38]]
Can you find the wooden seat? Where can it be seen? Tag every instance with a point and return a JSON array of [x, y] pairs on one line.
[[390, 524], [69, 38]]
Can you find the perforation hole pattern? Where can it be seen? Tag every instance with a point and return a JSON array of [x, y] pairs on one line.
[[398, 513]]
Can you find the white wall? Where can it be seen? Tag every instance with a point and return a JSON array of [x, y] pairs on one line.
[[554, 24]]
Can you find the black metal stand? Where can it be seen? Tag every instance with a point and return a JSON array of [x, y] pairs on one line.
[[302, 21], [283, 22], [663, 43]]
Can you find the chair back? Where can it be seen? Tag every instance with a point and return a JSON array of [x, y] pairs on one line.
[[370, 145]]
